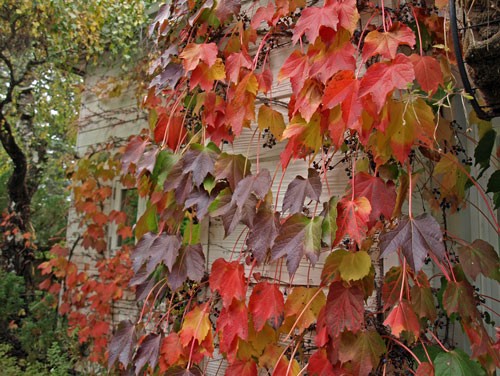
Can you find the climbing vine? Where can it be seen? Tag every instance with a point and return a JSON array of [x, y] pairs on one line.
[[370, 92]]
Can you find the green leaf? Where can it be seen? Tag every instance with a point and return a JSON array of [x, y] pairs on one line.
[[330, 270], [165, 160], [482, 154], [329, 225], [147, 222], [494, 182], [355, 266], [456, 363]]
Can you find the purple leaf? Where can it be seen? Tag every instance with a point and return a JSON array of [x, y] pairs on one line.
[[416, 237], [122, 344], [133, 152], [147, 352], [298, 236], [201, 199], [263, 232], [165, 248], [190, 264], [231, 167], [258, 184], [301, 188], [200, 161]]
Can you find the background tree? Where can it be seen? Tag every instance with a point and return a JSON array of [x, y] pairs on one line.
[[44, 48]]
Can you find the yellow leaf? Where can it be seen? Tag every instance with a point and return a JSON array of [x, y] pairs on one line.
[[355, 266], [196, 325], [272, 119]]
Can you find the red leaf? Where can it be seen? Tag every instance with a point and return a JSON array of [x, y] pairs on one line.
[[266, 304], [402, 318], [296, 68], [170, 130], [328, 60], [193, 53], [308, 99], [319, 364], [381, 78], [387, 43], [170, 352], [235, 62], [344, 309], [427, 72], [300, 188], [479, 257], [228, 278], [352, 219], [382, 195], [312, 20], [344, 89], [416, 237], [232, 324], [347, 13], [425, 369], [242, 368], [364, 351]]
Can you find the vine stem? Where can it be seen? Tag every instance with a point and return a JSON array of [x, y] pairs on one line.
[[147, 298], [410, 192], [399, 343], [425, 350], [438, 341], [418, 30]]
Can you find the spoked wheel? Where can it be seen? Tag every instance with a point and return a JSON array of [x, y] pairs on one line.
[[475, 28]]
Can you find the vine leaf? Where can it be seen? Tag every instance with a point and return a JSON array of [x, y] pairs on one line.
[[355, 266], [296, 68], [308, 99], [298, 236], [480, 257], [312, 20], [232, 167], [200, 161], [258, 184], [344, 309], [329, 225], [272, 119], [266, 305], [422, 298], [343, 89], [402, 318], [201, 199], [205, 76], [231, 325], [296, 303], [171, 351], [456, 363], [347, 13], [330, 272], [133, 152], [427, 72], [225, 9], [381, 78], [363, 350], [482, 153], [148, 352], [319, 364], [425, 369], [122, 344], [263, 232], [242, 368], [235, 62], [193, 53], [352, 218], [154, 249], [328, 60], [382, 195], [196, 325], [300, 188], [416, 237], [458, 297], [228, 279], [387, 43], [190, 264]]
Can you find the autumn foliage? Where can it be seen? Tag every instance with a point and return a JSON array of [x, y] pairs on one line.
[[370, 93]]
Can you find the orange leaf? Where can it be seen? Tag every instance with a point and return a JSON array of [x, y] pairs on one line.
[[402, 318], [193, 53], [196, 325], [387, 43]]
